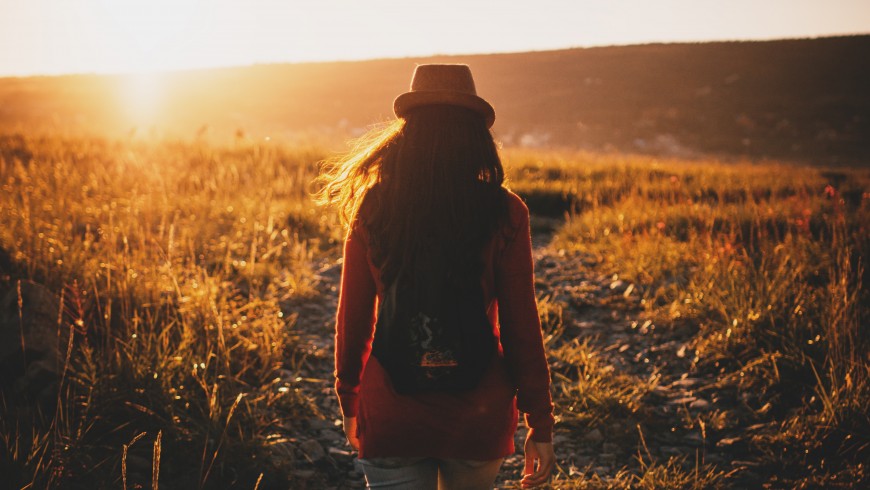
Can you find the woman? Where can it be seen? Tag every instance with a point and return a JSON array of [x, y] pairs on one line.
[[430, 185]]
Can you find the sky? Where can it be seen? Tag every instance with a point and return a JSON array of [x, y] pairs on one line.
[[121, 36]]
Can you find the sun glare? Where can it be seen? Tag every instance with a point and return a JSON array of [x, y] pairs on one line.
[[141, 95]]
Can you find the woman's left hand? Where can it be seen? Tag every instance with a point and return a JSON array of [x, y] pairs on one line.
[[349, 425], [543, 454]]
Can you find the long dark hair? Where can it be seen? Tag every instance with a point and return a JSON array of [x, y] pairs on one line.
[[426, 187]]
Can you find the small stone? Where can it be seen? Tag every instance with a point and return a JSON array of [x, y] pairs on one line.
[[559, 439], [304, 474], [694, 439], [330, 436], [714, 459], [593, 435], [610, 447], [515, 460], [746, 476], [566, 450], [312, 450], [340, 454], [583, 461], [673, 451], [321, 424], [135, 462]]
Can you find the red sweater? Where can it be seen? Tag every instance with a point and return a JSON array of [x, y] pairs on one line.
[[478, 424]]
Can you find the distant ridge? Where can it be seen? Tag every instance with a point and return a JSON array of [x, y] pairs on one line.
[[804, 100]]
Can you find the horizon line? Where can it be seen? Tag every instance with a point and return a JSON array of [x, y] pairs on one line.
[[110, 73]]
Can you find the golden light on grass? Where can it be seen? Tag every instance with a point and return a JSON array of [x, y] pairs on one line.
[[223, 253]]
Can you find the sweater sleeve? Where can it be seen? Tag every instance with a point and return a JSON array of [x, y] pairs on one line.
[[355, 319], [520, 327]]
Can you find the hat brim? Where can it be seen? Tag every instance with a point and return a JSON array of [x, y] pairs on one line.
[[410, 100]]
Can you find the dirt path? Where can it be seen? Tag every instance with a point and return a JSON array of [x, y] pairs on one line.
[[604, 310]]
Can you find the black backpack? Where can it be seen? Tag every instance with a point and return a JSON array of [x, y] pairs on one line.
[[432, 331]]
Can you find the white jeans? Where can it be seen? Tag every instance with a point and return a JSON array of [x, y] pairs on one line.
[[430, 473]]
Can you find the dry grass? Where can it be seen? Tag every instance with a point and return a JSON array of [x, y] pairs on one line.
[[175, 260], [177, 265], [766, 263]]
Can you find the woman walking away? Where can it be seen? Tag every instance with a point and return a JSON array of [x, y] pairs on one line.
[[437, 341]]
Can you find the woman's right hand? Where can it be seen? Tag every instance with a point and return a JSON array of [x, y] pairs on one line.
[[349, 425], [543, 453]]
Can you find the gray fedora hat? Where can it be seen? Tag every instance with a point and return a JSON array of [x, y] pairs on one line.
[[449, 84]]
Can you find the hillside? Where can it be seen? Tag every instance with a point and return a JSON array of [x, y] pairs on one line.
[[802, 100]]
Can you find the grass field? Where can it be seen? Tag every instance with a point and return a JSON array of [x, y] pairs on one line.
[[162, 294]]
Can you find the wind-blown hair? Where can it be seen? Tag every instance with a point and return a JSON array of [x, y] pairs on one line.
[[426, 187]]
